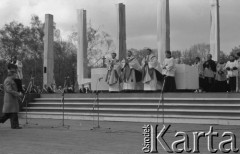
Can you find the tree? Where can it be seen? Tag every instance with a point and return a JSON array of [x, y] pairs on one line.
[[100, 43], [176, 54], [27, 41], [198, 50], [235, 50], [65, 61], [12, 38]]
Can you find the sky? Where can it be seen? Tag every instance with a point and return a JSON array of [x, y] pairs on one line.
[[189, 19]]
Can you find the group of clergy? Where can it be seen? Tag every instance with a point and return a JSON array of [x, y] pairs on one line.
[[128, 73], [219, 76]]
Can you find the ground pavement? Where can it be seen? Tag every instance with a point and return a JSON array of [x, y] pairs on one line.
[[49, 137]]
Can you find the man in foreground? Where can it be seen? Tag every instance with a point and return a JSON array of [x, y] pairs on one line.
[[11, 94]]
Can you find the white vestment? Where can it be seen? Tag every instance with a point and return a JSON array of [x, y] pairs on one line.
[[149, 73], [113, 75], [130, 66]]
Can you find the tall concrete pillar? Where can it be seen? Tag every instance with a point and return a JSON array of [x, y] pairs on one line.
[[163, 28], [215, 30], [48, 57], [82, 70], [121, 31]]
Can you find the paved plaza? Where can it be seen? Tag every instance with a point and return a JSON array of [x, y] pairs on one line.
[[49, 137]]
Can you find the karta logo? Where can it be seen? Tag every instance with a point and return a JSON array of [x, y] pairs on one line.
[[152, 138]]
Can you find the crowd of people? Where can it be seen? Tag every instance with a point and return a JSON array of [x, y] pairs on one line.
[[68, 89], [214, 76], [218, 76], [126, 74]]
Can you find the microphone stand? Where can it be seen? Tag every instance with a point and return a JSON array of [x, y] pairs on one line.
[[98, 111], [30, 85], [63, 106], [161, 101]]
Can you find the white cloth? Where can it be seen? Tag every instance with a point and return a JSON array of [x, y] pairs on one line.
[[131, 83], [150, 82], [199, 67], [152, 85], [221, 72], [19, 70], [113, 81], [169, 67], [133, 64], [152, 62], [238, 79], [231, 65]]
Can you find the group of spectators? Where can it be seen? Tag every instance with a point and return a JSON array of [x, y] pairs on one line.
[[219, 76], [53, 89], [214, 76]]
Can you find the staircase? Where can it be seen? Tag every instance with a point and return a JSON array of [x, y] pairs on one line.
[[201, 108]]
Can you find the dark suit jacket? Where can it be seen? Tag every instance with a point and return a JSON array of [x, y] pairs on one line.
[[210, 64], [10, 96]]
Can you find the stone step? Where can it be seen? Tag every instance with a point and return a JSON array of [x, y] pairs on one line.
[[145, 95], [139, 99], [182, 106], [90, 109], [132, 104], [212, 108], [135, 115], [201, 119]]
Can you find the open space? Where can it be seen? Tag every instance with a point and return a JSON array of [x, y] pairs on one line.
[[49, 137]]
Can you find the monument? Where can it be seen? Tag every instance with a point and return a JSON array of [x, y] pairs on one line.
[[215, 30], [82, 45], [163, 39], [121, 31], [163, 28], [48, 62]]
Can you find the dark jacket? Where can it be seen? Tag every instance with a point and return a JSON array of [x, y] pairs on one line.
[[210, 64]]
